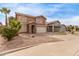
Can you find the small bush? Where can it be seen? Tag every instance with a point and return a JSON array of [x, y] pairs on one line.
[[11, 31], [8, 33]]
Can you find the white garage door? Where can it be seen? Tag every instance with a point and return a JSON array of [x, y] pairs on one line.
[[41, 29]]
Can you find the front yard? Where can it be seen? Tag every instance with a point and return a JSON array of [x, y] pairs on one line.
[[69, 46], [23, 40], [26, 40]]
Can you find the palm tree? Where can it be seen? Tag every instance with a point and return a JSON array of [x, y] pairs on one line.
[[5, 11]]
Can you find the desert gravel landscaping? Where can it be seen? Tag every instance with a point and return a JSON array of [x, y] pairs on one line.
[[68, 47], [26, 40]]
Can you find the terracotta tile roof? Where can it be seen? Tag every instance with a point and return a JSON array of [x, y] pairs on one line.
[[25, 14]]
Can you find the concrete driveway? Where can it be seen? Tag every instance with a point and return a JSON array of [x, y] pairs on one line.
[[68, 47]]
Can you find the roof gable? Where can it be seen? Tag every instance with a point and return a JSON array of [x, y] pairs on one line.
[[41, 16]]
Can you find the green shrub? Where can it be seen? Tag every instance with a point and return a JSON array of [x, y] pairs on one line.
[[14, 24], [8, 33], [71, 29], [11, 30]]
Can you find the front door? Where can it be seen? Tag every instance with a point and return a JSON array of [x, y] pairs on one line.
[[33, 29]]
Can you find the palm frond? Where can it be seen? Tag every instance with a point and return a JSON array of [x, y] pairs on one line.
[[5, 10]]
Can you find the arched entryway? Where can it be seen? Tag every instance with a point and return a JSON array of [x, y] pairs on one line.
[[31, 28]]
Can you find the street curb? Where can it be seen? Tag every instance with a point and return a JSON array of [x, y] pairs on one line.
[[17, 49]]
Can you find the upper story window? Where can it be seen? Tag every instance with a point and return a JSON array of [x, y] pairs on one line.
[[40, 20], [37, 20]]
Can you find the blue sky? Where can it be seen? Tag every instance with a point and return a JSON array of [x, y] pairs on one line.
[[64, 12]]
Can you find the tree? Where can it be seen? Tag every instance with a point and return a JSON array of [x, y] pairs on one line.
[[5, 11], [71, 29], [12, 30], [14, 24], [8, 33]]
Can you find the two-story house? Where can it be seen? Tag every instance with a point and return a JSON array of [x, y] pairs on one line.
[[31, 24]]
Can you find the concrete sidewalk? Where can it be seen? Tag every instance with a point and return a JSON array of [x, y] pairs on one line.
[[68, 47]]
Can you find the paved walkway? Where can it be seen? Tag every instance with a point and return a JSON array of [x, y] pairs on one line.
[[68, 47]]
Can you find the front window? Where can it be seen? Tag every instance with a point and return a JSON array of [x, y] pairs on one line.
[[37, 20]]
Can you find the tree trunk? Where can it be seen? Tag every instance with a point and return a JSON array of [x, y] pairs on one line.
[[6, 19]]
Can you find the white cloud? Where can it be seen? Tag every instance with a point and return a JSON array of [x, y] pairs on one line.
[[51, 19], [55, 8], [21, 9], [35, 9], [71, 21], [29, 10]]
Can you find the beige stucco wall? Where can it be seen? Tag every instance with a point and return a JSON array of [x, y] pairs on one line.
[[23, 27]]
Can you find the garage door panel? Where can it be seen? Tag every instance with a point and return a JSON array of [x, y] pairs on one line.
[[41, 29]]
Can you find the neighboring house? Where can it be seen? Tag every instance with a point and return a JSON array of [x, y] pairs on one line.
[[31, 24], [63, 28], [56, 26]]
